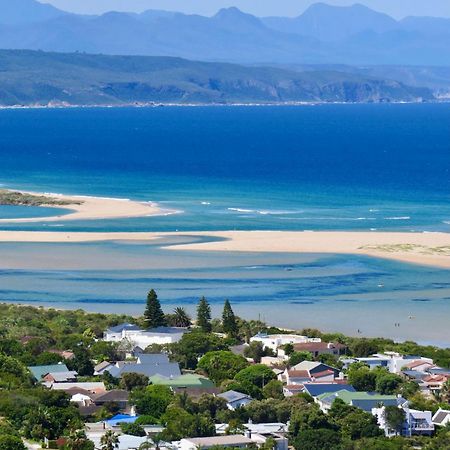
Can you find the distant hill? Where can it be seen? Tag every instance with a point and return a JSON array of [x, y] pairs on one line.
[[323, 34], [19, 12], [32, 78]]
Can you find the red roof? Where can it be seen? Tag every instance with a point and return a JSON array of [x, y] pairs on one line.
[[298, 374], [318, 346], [325, 373]]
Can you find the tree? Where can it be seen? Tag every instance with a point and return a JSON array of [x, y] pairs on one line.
[[445, 392], [273, 389], [361, 377], [153, 315], [133, 380], [204, 315], [152, 401], [359, 424], [109, 441], [256, 376], [297, 357], [288, 349], [255, 351], [194, 345], [181, 318], [395, 417], [364, 348], [222, 365], [210, 404], [81, 362], [229, 323], [319, 439], [77, 440], [133, 429], [388, 383], [8, 442]]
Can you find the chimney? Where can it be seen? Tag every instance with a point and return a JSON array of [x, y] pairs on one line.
[[248, 433]]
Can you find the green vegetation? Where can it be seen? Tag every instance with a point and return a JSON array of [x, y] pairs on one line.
[[204, 315], [40, 78], [12, 198], [34, 335], [153, 314]]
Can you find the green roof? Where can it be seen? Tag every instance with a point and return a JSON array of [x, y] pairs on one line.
[[349, 397], [188, 380], [40, 371]]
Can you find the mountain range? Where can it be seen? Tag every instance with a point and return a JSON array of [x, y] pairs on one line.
[[323, 34], [34, 78]]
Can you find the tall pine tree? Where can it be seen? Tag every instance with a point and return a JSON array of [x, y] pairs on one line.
[[204, 315], [229, 322], [153, 315]]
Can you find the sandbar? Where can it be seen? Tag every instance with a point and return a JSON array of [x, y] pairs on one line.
[[431, 249], [93, 208]]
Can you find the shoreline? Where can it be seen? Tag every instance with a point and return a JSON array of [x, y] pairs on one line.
[[196, 105], [427, 249], [86, 207]]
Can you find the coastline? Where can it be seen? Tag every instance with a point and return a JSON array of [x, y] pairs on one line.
[[429, 249], [91, 208]]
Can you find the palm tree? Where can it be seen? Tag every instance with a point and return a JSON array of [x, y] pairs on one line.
[[76, 440], [181, 317], [109, 440]]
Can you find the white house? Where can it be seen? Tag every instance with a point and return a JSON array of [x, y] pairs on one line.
[[416, 422], [136, 336], [273, 341], [235, 399]]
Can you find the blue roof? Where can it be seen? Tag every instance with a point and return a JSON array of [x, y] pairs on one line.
[[166, 370], [315, 390], [121, 418]]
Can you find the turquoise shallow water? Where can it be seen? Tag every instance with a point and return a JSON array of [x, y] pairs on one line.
[[331, 292], [335, 167]]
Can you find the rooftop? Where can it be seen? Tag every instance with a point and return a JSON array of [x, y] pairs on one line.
[[40, 371], [230, 440], [233, 396], [188, 380]]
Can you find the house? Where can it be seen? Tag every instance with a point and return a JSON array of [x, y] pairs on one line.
[[60, 377], [442, 417], [39, 372], [196, 392], [392, 361], [317, 389], [92, 387], [234, 441], [80, 396], [292, 389], [186, 381], [102, 367], [416, 422], [147, 364], [126, 441], [273, 361], [310, 371], [66, 354], [321, 348], [258, 428], [432, 384], [235, 399], [363, 400], [273, 341], [138, 337], [117, 396]]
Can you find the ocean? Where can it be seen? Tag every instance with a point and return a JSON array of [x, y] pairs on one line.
[[326, 167]]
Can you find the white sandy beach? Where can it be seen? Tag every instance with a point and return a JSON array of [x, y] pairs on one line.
[[419, 248], [93, 208]]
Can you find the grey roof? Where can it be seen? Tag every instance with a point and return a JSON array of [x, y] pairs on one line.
[[415, 374], [233, 396], [439, 371], [440, 416], [165, 330], [169, 370], [123, 326], [153, 358], [115, 395], [316, 389], [63, 376], [103, 365]]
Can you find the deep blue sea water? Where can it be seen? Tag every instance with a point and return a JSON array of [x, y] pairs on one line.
[[330, 167], [322, 167]]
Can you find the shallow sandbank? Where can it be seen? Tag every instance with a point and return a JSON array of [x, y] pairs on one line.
[[419, 248], [90, 208]]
